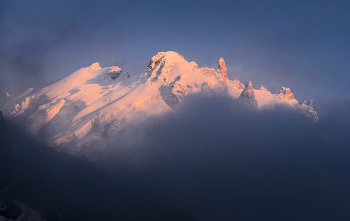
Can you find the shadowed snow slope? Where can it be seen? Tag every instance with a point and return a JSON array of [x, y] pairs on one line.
[[94, 103]]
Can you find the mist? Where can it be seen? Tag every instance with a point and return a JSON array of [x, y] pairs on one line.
[[212, 158], [223, 160]]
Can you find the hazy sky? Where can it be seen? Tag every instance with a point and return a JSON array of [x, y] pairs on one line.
[[303, 45]]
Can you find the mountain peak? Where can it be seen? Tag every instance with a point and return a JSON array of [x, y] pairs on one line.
[[95, 66], [262, 88], [311, 104], [248, 94], [170, 56], [222, 68], [222, 64], [249, 86], [238, 84], [286, 93], [308, 110], [155, 58]]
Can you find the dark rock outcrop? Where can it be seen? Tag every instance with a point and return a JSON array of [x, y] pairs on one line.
[[248, 94]]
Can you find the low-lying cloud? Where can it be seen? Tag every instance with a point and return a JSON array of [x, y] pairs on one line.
[[213, 157], [224, 161]]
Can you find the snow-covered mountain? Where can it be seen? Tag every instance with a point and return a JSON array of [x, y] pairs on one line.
[[93, 102]]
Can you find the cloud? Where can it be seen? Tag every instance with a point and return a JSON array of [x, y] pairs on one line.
[[223, 161], [213, 156]]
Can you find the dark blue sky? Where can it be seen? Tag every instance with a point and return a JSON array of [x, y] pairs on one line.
[[303, 45]]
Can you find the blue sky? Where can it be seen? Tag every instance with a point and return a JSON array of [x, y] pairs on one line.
[[303, 45]]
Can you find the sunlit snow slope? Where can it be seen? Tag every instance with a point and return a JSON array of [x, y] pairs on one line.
[[94, 103]]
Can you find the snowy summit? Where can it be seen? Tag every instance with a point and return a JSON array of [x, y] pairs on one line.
[[94, 103]]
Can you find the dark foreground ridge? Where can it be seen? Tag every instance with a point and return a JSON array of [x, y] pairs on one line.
[[62, 187]]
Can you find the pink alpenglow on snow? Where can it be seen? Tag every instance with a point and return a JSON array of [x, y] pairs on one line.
[[93, 103]]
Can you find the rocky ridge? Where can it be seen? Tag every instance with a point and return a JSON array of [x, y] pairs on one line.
[[93, 103]]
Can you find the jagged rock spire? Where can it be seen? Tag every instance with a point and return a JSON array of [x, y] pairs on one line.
[[308, 110], [311, 104], [262, 88], [286, 93], [248, 94], [222, 68]]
